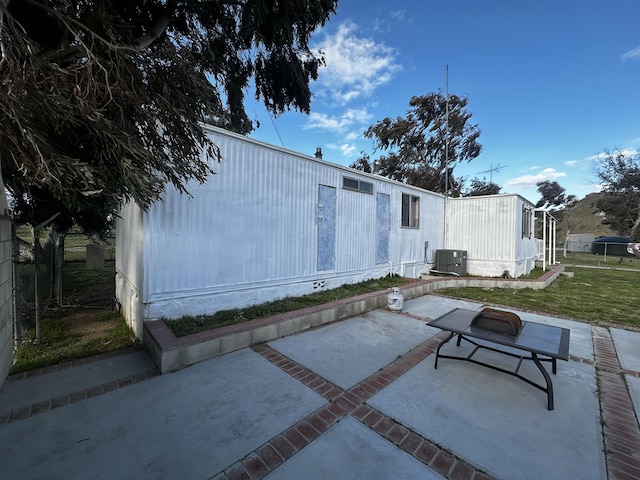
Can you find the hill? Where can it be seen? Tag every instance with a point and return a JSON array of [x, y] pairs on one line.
[[584, 217]]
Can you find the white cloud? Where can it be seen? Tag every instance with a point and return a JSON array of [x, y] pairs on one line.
[[595, 158], [399, 15], [339, 124], [628, 152], [354, 135], [571, 163], [355, 65], [526, 181], [347, 149], [631, 54]]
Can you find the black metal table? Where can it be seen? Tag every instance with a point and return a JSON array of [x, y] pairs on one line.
[[534, 340]]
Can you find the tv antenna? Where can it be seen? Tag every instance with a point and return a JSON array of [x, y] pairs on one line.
[[492, 169]]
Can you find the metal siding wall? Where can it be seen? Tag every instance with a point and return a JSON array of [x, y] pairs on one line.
[[525, 246], [252, 230], [407, 244], [130, 257], [253, 221], [483, 226]]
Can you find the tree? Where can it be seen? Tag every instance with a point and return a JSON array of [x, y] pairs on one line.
[[101, 101], [423, 148], [619, 175], [553, 196], [482, 187]]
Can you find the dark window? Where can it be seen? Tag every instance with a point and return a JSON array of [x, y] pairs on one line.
[[410, 211], [357, 185], [527, 214]]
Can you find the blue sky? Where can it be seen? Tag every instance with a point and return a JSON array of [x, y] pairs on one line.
[[551, 84]]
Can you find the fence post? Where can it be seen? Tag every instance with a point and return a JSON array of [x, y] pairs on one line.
[[59, 256], [36, 284], [17, 311]]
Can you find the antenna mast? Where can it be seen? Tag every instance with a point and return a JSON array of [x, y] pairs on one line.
[[492, 169], [446, 158], [446, 138]]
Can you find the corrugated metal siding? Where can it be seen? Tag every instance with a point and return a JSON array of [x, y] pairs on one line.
[[490, 229], [250, 234], [255, 222], [129, 244], [484, 226]]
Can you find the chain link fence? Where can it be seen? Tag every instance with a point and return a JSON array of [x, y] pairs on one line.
[[71, 270]]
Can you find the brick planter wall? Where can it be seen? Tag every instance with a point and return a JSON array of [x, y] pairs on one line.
[[172, 353]]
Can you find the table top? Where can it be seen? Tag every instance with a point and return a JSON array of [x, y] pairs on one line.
[[534, 337]]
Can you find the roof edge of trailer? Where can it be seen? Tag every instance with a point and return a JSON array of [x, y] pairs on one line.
[[352, 171], [496, 195]]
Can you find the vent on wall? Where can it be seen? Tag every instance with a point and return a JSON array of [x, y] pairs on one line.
[[451, 261]]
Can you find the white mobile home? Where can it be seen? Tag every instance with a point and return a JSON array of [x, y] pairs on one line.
[[496, 231], [271, 223]]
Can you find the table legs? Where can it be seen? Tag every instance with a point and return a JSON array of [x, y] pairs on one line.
[[548, 389]]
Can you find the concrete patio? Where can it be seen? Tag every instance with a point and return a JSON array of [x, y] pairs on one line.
[[358, 398]]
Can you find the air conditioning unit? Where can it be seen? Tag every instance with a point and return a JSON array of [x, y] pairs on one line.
[[451, 261]]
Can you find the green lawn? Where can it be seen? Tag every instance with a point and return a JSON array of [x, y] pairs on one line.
[[593, 294], [599, 295], [70, 335]]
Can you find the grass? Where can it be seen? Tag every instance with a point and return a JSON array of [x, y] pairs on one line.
[[67, 338], [188, 325], [594, 295], [599, 295], [88, 287]]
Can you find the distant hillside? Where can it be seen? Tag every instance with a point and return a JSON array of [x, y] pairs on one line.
[[584, 218]]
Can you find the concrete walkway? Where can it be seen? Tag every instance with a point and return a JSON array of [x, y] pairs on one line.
[[354, 399]]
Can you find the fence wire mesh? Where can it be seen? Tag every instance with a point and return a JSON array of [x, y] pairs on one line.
[[75, 270]]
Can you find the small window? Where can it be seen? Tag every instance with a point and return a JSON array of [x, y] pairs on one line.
[[410, 211], [357, 185], [526, 221]]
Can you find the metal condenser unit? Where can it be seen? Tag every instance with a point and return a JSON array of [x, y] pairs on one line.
[[451, 261]]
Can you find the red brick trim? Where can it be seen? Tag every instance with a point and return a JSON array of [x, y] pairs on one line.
[[267, 457], [67, 399], [16, 377], [619, 423]]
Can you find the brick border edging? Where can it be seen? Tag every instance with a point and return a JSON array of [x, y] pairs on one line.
[[30, 410], [171, 353], [620, 428], [27, 411], [352, 402], [57, 367]]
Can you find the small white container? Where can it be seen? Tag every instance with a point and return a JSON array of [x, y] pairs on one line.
[[395, 299]]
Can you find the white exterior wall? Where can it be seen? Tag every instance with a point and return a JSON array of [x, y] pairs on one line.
[[129, 265], [250, 235], [489, 228], [6, 289]]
